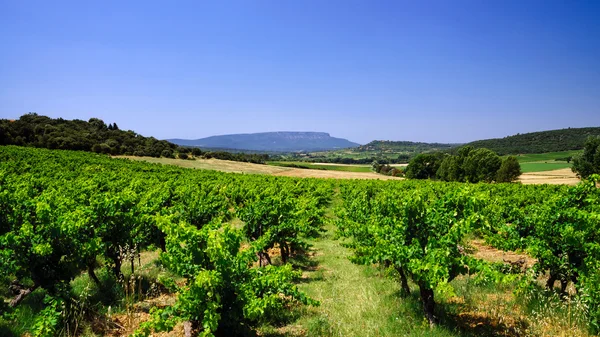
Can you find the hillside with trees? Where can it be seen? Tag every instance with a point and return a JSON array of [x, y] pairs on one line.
[[94, 135], [539, 142], [403, 146]]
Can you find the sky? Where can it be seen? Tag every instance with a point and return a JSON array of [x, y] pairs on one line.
[[430, 71]]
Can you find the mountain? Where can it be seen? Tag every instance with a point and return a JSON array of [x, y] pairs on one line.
[[271, 141], [539, 142]]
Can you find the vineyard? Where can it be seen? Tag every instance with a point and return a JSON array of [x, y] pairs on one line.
[[237, 253]]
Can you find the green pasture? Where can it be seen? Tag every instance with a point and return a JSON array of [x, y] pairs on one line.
[[543, 166], [543, 157]]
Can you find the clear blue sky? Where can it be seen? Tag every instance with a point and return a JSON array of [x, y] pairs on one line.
[[445, 71]]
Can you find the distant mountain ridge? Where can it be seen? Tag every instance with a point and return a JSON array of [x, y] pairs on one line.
[[539, 142], [282, 141]]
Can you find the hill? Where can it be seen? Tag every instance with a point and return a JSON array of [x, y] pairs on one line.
[[539, 142], [404, 146], [94, 135], [271, 141], [384, 151]]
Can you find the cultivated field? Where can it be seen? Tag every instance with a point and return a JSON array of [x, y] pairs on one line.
[[560, 176], [214, 164], [240, 167], [550, 161], [286, 256]]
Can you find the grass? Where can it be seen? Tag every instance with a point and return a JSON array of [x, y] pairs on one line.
[[24, 316], [540, 162], [92, 301], [355, 300], [543, 166]]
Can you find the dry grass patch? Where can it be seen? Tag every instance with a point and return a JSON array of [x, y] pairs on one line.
[[212, 164], [562, 176]]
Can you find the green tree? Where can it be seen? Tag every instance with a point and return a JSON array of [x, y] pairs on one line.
[[481, 165], [98, 124], [424, 166], [588, 162], [375, 166], [448, 168], [509, 171]]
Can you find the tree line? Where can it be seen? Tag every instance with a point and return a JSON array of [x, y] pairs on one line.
[[467, 165], [94, 135]]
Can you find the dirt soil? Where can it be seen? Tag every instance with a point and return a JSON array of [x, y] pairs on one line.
[[491, 254], [562, 176]]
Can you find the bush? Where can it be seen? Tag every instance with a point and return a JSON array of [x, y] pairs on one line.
[[196, 151], [167, 154], [182, 156], [182, 149]]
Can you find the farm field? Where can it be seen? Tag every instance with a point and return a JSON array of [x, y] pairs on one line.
[[544, 161], [241, 167], [319, 166], [308, 173], [529, 167], [329, 166], [143, 248], [550, 156], [212, 164]]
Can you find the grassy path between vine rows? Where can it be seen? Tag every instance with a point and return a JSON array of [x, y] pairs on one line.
[[355, 300]]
